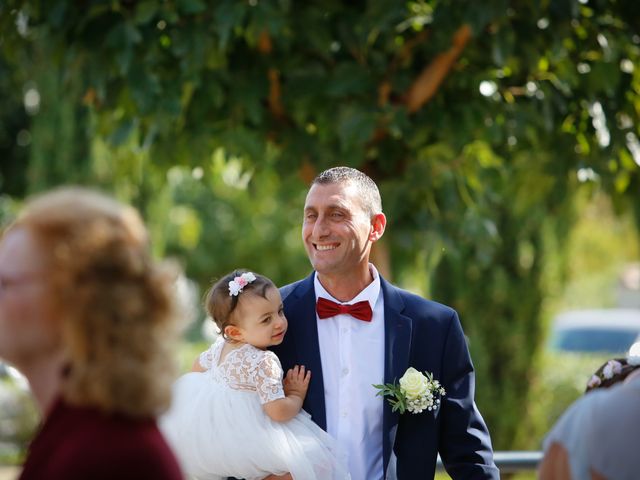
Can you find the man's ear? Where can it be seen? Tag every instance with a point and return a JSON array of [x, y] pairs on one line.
[[233, 332], [378, 224]]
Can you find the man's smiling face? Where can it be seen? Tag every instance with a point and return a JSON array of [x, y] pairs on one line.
[[336, 228]]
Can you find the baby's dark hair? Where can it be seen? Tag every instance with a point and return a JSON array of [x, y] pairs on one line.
[[220, 304], [611, 372]]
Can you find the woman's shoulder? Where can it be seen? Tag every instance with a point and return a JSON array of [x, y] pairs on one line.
[[613, 431], [140, 446], [569, 428], [618, 406], [137, 449]]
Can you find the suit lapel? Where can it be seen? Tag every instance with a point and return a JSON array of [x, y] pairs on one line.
[[397, 344], [302, 315]]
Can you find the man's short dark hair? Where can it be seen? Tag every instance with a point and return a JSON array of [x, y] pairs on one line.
[[367, 188]]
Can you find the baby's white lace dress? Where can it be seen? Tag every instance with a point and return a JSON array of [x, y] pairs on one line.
[[218, 428]]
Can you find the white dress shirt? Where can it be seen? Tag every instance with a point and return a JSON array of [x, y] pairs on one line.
[[352, 356]]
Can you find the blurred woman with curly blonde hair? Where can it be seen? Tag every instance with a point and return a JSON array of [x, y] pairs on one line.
[[89, 318]]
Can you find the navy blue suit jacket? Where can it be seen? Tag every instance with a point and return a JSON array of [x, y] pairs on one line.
[[421, 334]]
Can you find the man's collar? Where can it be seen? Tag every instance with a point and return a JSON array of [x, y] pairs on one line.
[[370, 293]]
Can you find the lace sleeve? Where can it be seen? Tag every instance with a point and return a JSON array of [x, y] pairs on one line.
[[269, 378], [206, 358]]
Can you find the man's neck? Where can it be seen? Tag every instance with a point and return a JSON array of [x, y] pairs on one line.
[[346, 287]]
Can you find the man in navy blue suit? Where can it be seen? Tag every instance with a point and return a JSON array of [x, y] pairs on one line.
[[390, 331]]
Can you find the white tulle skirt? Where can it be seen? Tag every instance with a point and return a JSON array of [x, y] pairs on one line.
[[218, 432]]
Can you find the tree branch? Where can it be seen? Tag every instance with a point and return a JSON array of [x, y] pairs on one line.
[[265, 46], [275, 93], [427, 83]]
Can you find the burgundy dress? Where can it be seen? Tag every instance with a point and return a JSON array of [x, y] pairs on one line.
[[83, 443]]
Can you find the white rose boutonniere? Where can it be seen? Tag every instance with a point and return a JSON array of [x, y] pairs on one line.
[[416, 392]]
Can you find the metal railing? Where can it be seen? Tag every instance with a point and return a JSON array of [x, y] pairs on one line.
[[512, 462]]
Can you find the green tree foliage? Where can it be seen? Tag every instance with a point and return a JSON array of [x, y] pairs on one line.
[[14, 135], [480, 121]]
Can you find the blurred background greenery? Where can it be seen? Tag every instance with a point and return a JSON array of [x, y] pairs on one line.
[[503, 136]]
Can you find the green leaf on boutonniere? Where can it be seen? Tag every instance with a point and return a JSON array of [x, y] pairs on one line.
[[396, 397]]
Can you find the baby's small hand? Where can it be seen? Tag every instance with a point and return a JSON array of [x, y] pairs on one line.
[[296, 382]]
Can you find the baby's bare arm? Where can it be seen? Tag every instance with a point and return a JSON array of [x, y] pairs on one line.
[[296, 384], [196, 367]]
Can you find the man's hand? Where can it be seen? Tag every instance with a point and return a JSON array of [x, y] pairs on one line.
[[296, 383]]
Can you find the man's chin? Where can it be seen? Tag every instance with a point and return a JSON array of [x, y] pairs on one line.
[[324, 268]]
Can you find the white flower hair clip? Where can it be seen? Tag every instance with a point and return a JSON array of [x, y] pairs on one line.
[[613, 367], [614, 371], [634, 359], [238, 283]]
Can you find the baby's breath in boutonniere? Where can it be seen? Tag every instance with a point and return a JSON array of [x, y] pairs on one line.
[[415, 393]]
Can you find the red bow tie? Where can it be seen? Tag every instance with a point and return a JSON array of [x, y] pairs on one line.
[[360, 310]]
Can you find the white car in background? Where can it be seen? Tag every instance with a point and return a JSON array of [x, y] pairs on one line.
[[611, 331]]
